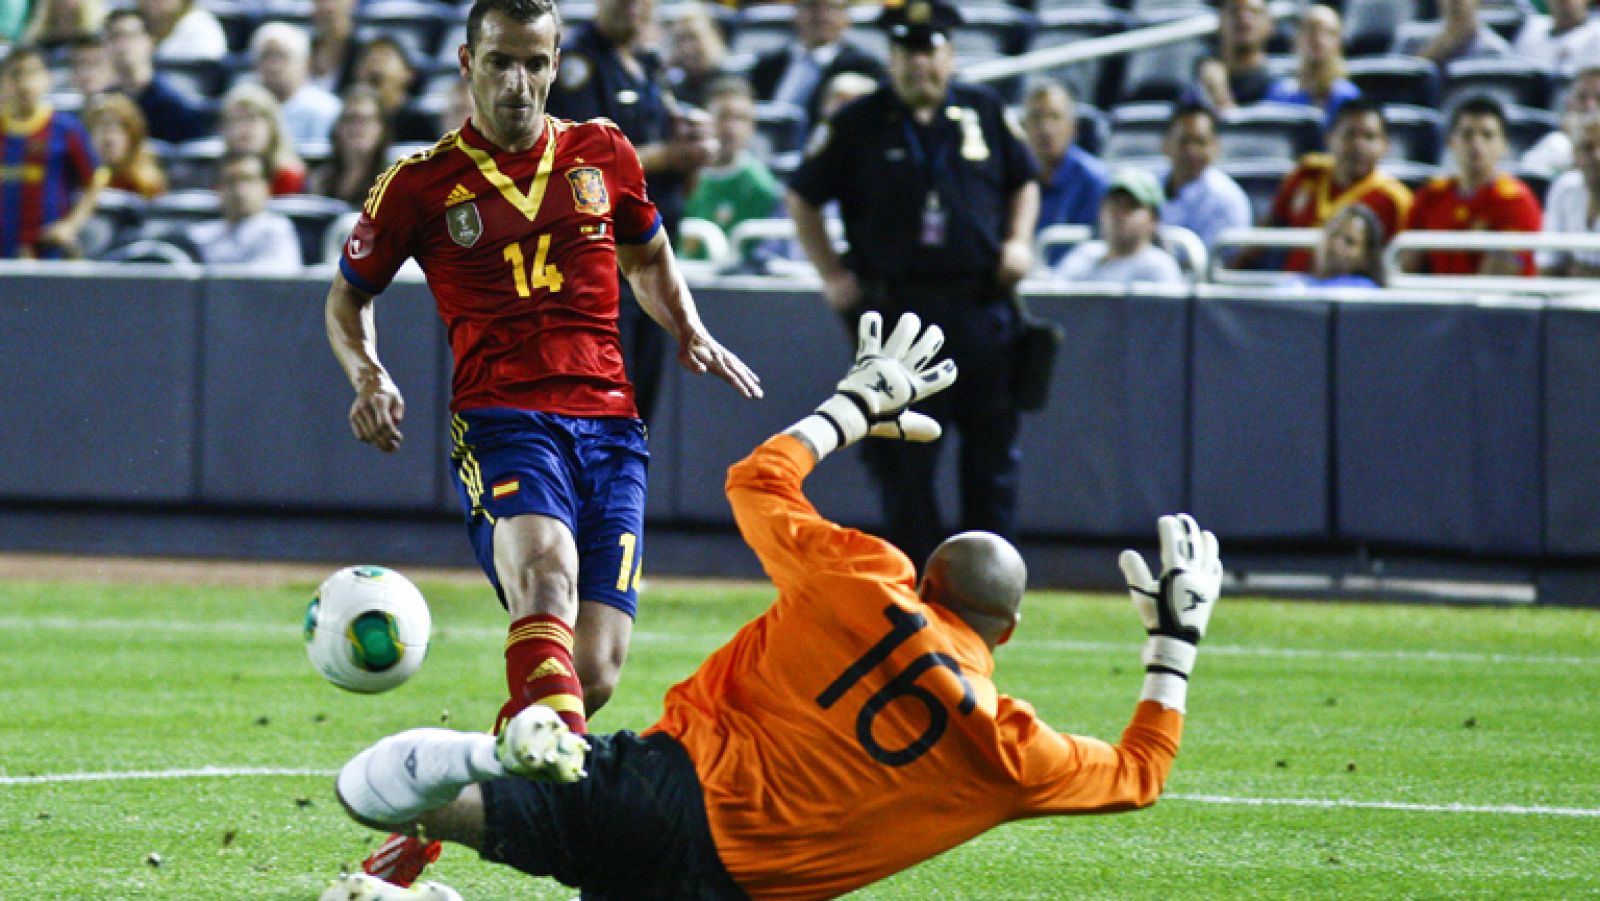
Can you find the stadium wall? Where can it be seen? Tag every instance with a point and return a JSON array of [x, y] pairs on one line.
[[152, 414]]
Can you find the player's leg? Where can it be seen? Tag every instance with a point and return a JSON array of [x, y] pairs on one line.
[[610, 550], [604, 633], [536, 561]]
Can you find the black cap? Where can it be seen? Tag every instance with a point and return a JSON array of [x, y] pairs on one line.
[[919, 24]]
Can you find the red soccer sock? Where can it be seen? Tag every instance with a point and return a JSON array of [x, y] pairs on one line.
[[539, 670]]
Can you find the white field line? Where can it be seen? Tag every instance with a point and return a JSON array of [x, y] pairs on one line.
[[1346, 803], [212, 772], [643, 636]]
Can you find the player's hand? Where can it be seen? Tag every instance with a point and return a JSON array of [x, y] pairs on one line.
[[1175, 610], [63, 235], [702, 354], [376, 414], [888, 377]]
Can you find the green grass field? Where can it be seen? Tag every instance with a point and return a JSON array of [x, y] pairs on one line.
[[1332, 750]]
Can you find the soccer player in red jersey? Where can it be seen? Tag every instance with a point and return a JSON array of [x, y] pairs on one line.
[[1325, 183], [1478, 198], [520, 221], [45, 158]]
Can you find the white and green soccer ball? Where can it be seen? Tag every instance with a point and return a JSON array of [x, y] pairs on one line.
[[366, 630]]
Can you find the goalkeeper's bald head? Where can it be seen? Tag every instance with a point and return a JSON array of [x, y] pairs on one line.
[[980, 577]]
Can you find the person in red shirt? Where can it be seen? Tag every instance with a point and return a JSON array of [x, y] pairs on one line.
[[849, 732], [1325, 183], [1479, 197], [520, 221]]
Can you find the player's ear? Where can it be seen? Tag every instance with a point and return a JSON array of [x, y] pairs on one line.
[[464, 60]]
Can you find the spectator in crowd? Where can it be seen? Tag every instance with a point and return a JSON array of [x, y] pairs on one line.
[[248, 234], [696, 54], [89, 70], [1563, 40], [843, 88], [1479, 197], [794, 74], [184, 30], [1319, 81], [117, 129], [173, 116], [605, 72], [1573, 206], [1460, 35], [1551, 155], [49, 182], [13, 20], [1200, 197], [333, 44], [1071, 179], [1126, 251], [59, 23], [1324, 183], [281, 54], [736, 186], [1237, 75], [1350, 254], [457, 108], [360, 149], [384, 65], [944, 234], [252, 123]]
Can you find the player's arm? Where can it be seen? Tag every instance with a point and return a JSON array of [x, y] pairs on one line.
[[1077, 774], [780, 525], [652, 269], [352, 334]]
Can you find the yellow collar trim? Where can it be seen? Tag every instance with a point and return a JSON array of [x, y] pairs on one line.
[[527, 204], [30, 125]]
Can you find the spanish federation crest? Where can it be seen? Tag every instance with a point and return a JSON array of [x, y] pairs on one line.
[[463, 223], [589, 191]]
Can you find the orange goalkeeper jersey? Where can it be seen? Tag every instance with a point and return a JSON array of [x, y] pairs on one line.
[[851, 730]]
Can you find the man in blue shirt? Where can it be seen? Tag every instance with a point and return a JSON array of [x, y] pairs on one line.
[[1200, 197], [1072, 180]]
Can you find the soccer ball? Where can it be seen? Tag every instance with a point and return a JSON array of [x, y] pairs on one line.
[[366, 630]]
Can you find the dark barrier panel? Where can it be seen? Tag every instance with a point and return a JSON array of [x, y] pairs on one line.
[[275, 427], [1437, 426], [97, 388], [800, 350], [1107, 457], [1572, 431], [1259, 459]]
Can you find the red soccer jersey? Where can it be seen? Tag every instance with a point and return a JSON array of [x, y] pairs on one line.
[[1504, 204], [1308, 198], [520, 253]]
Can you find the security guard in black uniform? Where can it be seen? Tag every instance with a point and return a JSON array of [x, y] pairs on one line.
[[604, 74], [938, 197]]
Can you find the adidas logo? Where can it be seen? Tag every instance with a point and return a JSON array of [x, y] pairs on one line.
[[550, 667], [458, 194]]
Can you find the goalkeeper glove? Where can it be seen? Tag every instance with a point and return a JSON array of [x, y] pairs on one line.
[[873, 397], [1176, 610]]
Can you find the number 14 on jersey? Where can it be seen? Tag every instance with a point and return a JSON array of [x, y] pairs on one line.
[[539, 275]]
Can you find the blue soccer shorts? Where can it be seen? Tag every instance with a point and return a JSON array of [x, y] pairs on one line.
[[589, 473]]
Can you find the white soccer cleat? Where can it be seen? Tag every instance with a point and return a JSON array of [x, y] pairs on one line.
[[361, 887], [537, 745]]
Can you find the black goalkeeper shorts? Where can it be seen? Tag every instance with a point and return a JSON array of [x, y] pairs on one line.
[[635, 828]]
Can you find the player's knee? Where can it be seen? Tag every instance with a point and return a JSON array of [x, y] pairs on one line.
[[599, 683]]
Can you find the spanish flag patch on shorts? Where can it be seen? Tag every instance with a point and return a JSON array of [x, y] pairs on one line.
[[502, 489]]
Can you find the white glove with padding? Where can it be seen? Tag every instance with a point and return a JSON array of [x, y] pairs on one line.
[[886, 378], [1176, 609]]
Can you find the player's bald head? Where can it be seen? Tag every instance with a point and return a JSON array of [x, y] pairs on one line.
[[981, 577]]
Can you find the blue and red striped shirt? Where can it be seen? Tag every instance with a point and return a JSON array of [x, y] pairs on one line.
[[45, 161]]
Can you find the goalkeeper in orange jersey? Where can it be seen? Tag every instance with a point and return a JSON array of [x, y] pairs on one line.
[[793, 761]]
